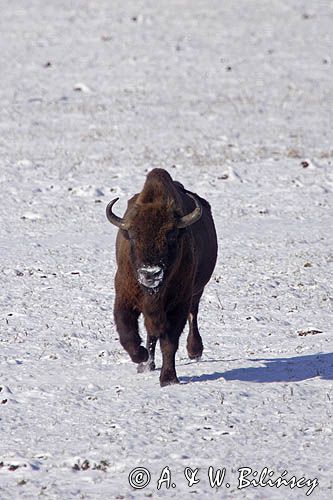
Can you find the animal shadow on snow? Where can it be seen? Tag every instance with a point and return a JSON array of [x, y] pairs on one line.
[[294, 369]]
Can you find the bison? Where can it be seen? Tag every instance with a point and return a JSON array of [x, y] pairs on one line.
[[166, 250]]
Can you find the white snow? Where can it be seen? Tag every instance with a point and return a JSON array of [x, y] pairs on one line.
[[235, 100]]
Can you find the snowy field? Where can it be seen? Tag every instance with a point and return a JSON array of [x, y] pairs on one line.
[[235, 100]]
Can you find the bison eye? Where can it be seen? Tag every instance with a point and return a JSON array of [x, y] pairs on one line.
[[172, 236]]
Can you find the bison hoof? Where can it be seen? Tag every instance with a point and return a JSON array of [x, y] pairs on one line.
[[140, 356], [168, 381], [195, 357], [194, 349], [146, 367]]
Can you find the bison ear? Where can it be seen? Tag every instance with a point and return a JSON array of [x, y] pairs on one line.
[[182, 232], [128, 234], [125, 234]]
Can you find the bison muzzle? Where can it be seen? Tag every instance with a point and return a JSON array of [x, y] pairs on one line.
[[166, 251]]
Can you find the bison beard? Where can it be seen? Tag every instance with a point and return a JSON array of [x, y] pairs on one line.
[[166, 252]]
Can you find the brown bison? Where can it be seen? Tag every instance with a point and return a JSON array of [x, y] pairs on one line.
[[166, 252]]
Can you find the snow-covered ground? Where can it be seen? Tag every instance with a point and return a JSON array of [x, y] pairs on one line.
[[235, 99]]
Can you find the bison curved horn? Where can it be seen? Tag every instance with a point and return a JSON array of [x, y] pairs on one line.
[[192, 217], [114, 219]]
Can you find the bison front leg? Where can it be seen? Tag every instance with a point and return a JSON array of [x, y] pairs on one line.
[[127, 326], [169, 345]]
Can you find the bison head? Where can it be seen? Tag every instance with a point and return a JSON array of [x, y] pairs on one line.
[[154, 231]]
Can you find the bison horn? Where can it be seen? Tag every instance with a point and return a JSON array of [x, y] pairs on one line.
[[114, 219], [192, 217]]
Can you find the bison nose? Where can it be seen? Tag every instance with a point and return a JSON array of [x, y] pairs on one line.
[[150, 272], [150, 276]]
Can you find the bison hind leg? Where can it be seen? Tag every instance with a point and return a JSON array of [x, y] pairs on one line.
[[194, 341], [149, 365]]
